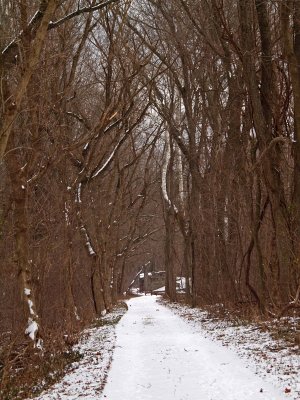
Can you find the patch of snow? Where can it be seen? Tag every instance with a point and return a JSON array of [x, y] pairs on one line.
[[66, 211], [32, 329], [39, 345], [30, 305], [91, 251], [159, 290], [27, 292], [76, 314]]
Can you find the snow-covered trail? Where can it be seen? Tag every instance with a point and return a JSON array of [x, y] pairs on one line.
[[158, 356]]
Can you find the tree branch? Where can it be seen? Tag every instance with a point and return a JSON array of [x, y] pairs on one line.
[[80, 11], [10, 52]]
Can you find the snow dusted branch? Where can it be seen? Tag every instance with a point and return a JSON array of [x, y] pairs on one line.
[[78, 193], [88, 242], [80, 11], [133, 243], [109, 159], [139, 238], [98, 170], [136, 275]]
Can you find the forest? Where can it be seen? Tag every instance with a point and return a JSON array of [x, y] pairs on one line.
[[145, 131]]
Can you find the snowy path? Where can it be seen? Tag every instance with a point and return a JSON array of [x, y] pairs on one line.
[[158, 356]]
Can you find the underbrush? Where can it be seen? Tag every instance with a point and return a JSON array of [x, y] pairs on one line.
[[285, 329], [26, 372]]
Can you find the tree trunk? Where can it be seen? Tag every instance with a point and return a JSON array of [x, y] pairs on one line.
[[169, 255], [70, 307], [15, 100], [169, 210], [23, 260], [261, 101], [97, 289]]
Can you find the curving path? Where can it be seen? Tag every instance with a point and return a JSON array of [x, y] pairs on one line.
[[158, 356]]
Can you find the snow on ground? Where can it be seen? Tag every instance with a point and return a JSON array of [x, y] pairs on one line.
[[160, 356], [85, 379], [274, 360]]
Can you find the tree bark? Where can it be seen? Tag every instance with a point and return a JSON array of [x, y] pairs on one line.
[[22, 256]]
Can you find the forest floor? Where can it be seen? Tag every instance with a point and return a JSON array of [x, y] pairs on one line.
[[85, 378], [164, 351]]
